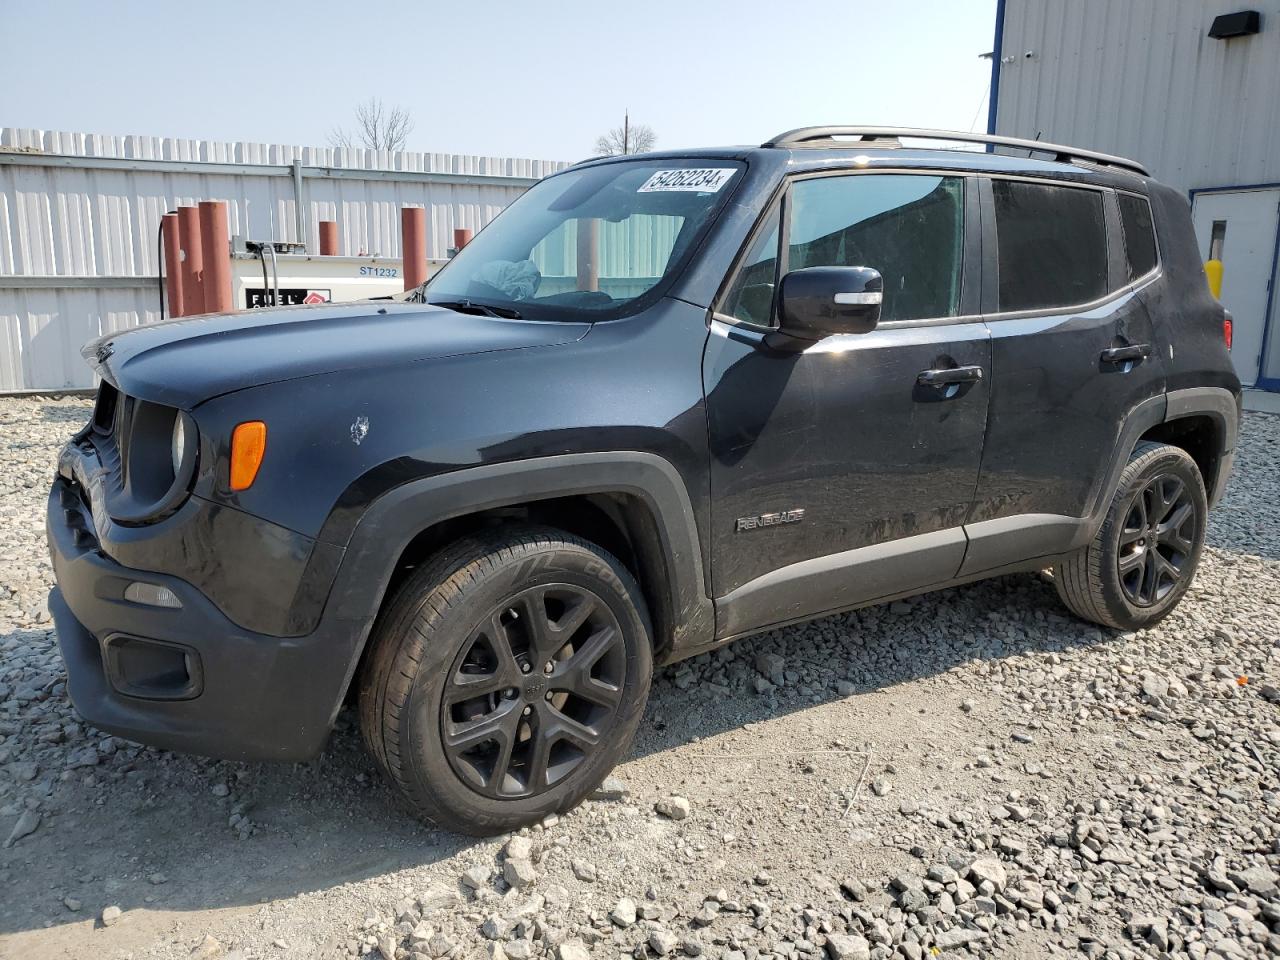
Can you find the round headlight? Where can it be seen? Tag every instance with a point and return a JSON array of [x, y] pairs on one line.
[[178, 448]]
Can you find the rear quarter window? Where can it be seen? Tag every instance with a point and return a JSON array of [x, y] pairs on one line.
[[1051, 245], [1139, 235]]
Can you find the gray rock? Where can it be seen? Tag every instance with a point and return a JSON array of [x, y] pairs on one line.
[[433, 901], [495, 928], [1154, 686], [842, 946], [623, 912], [206, 949], [573, 950], [941, 873], [912, 901], [853, 888], [440, 945], [989, 869], [519, 848], [584, 871], [612, 789], [27, 824], [111, 915], [663, 942], [673, 808], [772, 666], [520, 874], [1257, 880], [959, 937]]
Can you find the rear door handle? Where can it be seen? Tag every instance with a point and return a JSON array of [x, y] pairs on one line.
[[1135, 351], [947, 376]]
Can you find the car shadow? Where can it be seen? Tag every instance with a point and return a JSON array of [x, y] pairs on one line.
[[110, 831], [76, 413]]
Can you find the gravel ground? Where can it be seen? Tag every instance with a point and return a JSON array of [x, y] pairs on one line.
[[970, 771]]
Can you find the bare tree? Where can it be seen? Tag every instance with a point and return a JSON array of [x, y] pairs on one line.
[[627, 139], [378, 127]]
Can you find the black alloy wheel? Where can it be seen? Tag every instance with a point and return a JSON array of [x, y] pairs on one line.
[[1156, 540], [533, 691]]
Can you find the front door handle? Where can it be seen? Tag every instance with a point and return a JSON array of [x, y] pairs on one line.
[[947, 376], [1134, 351]]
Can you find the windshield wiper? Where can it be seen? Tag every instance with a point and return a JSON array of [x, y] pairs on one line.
[[478, 309]]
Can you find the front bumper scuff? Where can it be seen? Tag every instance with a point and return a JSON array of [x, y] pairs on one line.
[[260, 697]]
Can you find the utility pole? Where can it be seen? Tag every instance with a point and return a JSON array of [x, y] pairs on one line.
[[626, 132]]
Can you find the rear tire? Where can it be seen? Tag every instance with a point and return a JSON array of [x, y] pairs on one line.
[[1144, 556], [506, 678]]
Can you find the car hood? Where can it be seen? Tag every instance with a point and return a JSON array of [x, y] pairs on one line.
[[182, 363]]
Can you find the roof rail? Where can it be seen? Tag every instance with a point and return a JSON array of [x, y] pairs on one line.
[[803, 135]]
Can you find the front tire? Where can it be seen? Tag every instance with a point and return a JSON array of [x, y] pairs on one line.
[[1145, 554], [506, 679]]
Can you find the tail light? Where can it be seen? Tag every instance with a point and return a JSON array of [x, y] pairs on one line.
[[1226, 330]]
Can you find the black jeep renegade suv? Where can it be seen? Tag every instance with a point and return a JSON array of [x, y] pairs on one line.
[[662, 402]]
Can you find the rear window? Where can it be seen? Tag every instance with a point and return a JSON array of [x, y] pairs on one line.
[[1139, 235], [1052, 245]]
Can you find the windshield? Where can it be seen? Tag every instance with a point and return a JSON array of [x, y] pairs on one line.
[[588, 244]]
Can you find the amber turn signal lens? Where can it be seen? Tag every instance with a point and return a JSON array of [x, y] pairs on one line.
[[248, 444]]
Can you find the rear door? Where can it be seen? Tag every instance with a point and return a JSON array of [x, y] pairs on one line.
[[836, 475], [1073, 352], [1242, 229]]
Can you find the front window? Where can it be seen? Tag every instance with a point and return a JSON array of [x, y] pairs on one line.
[[909, 227], [590, 244]]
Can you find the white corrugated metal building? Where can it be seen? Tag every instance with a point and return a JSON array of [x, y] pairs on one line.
[[79, 215], [1144, 79]]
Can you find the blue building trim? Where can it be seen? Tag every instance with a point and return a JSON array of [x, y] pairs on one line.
[[1264, 382], [996, 47]]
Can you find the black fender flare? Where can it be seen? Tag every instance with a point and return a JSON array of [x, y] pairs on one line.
[[1218, 403], [1223, 407], [393, 519]]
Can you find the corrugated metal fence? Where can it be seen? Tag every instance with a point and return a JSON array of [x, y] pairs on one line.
[[79, 215]]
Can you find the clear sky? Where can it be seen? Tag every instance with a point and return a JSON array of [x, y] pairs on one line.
[[502, 78]]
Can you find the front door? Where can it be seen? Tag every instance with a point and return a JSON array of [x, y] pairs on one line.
[[837, 476], [1240, 227]]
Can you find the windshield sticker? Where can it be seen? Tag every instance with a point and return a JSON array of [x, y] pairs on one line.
[[703, 180]]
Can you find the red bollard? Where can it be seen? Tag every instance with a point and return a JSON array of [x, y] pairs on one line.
[[328, 238], [413, 245], [192, 260], [461, 237], [172, 262], [216, 241]]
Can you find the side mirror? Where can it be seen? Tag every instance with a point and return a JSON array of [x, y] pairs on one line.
[[818, 302]]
